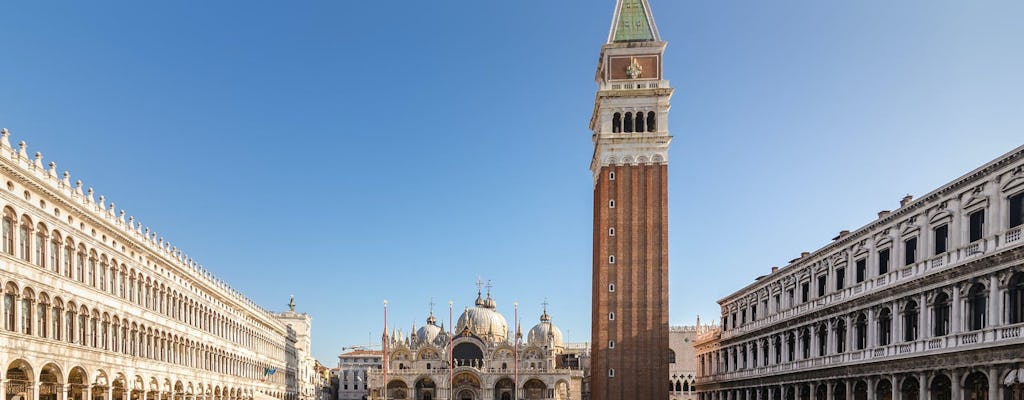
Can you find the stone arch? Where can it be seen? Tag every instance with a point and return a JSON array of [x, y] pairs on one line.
[[504, 389], [51, 379], [19, 378], [975, 386], [397, 389], [535, 389]]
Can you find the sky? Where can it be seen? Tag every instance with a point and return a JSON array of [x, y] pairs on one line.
[[350, 152]]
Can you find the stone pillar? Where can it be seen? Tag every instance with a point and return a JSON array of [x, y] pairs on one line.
[[923, 318], [956, 323], [871, 389], [771, 351], [872, 339], [829, 392], [923, 387], [993, 383], [785, 347], [35, 390], [994, 314], [956, 387], [86, 393], [894, 380], [109, 394], [771, 393]]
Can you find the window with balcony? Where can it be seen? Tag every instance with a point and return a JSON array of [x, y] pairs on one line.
[[792, 297], [1017, 210], [743, 317], [883, 261], [822, 281], [840, 336], [753, 313], [805, 346], [791, 345], [840, 278], [862, 267], [885, 327], [941, 239], [860, 331], [941, 310], [778, 350], [764, 353], [733, 320], [977, 222], [725, 322], [910, 251], [1015, 294], [977, 307], [805, 291], [822, 340], [910, 319]]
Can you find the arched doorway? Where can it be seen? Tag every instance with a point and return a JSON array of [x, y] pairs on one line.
[[821, 392], [398, 390], [910, 388], [976, 386], [805, 391], [19, 381], [426, 389], [466, 386], [50, 385], [534, 389], [504, 389], [941, 388], [839, 391], [860, 390], [77, 383], [883, 390]]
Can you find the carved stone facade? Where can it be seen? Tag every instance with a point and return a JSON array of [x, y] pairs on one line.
[[926, 302], [482, 360], [96, 307]]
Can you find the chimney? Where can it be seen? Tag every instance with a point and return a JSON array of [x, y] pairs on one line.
[[883, 214], [775, 269], [805, 254], [841, 235], [906, 200]]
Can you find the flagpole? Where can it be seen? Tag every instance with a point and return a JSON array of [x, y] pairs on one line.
[[451, 358], [515, 388], [385, 337]]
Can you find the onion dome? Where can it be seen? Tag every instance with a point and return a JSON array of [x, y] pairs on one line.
[[545, 333], [484, 321]]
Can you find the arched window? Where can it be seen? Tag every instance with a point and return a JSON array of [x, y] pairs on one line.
[[55, 245], [841, 336], [861, 331], [617, 123], [27, 298], [1016, 298], [885, 327], [910, 318], [941, 314], [791, 345], [8, 230], [10, 296], [69, 254], [822, 340], [640, 123], [652, 122], [977, 307], [778, 350], [42, 308], [41, 245], [80, 263], [25, 239], [628, 123]]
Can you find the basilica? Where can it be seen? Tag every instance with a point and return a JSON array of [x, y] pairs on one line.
[[488, 359]]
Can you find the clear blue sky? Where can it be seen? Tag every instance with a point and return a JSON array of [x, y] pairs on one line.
[[351, 151]]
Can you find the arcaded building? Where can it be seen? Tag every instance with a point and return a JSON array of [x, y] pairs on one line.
[[97, 307], [924, 302]]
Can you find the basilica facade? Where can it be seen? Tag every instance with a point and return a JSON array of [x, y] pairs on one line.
[[484, 358], [924, 302], [96, 307]]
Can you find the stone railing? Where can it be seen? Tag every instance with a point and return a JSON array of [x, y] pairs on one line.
[[639, 84], [992, 336], [951, 259]]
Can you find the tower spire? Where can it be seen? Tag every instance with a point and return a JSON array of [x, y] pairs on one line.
[[633, 22]]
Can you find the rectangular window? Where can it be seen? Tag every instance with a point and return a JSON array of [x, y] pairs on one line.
[[753, 312], [792, 297], [941, 239], [1017, 210], [910, 251], [883, 262], [805, 292], [733, 320], [743, 317], [862, 267], [977, 225], [840, 278], [822, 281], [778, 303]]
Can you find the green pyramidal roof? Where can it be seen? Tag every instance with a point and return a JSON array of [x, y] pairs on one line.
[[632, 23]]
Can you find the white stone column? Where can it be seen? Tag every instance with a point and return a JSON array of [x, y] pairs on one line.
[[956, 323], [924, 318], [994, 314], [993, 383], [871, 389], [895, 387], [956, 388], [771, 393], [829, 392], [923, 388]]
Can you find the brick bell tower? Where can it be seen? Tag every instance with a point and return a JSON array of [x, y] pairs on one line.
[[630, 167]]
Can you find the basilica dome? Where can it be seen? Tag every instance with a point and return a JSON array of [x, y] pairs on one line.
[[429, 332], [484, 321], [544, 331]]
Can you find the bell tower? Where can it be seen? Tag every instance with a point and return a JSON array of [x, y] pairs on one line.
[[630, 171]]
